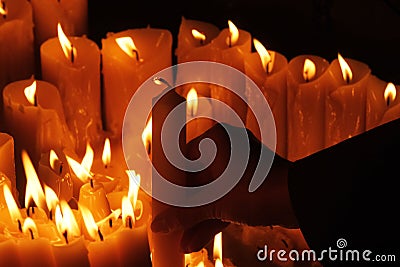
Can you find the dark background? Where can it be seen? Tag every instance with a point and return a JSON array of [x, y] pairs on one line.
[[365, 30]]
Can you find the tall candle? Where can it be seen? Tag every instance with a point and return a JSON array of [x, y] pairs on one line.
[[232, 44], [194, 44], [37, 124], [129, 58], [306, 85], [16, 43], [268, 69], [345, 101], [73, 65], [382, 102], [165, 247]]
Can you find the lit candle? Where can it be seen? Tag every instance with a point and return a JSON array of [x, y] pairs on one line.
[[345, 102], [382, 102], [7, 165], [199, 111], [73, 65], [194, 44], [232, 45], [12, 217], [129, 58], [53, 172], [47, 13], [268, 69], [16, 45], [307, 82]]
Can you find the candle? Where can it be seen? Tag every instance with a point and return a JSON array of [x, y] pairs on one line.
[[382, 102], [34, 117], [47, 13], [232, 45], [129, 58], [73, 65], [268, 69], [306, 85], [165, 247], [345, 102], [7, 165], [194, 44], [9, 253], [54, 173], [199, 114], [16, 45]]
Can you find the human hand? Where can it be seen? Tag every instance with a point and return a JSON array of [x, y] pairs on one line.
[[268, 205]]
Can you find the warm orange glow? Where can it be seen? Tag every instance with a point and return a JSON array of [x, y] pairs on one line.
[[34, 190], [267, 59], [106, 156], [217, 249], [198, 35], [3, 10], [30, 228], [233, 34], [30, 93], [87, 160], [390, 93], [192, 102], [79, 170], [51, 198], [309, 70], [66, 45], [134, 185], [69, 221], [147, 135], [53, 159], [128, 46], [113, 215], [13, 209], [128, 215], [90, 223], [346, 71]]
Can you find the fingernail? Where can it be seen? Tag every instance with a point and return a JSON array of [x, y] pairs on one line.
[[159, 226]]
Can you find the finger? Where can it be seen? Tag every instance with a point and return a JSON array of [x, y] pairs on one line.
[[198, 236], [175, 218]]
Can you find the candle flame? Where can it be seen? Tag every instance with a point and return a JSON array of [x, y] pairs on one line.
[[217, 249], [128, 46], [69, 221], [34, 190], [51, 198], [147, 135], [13, 209], [198, 35], [134, 185], [346, 71], [3, 10], [87, 160], [58, 218], [30, 228], [309, 70], [30, 93], [267, 59], [66, 45], [192, 102], [79, 170], [218, 263], [106, 156], [53, 159], [127, 212], [390, 93], [233, 34], [89, 222]]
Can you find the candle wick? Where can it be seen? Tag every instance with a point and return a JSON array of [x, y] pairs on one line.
[[110, 223], [267, 68], [35, 101], [31, 232], [230, 40], [129, 222], [28, 212], [137, 55], [51, 215], [61, 167], [347, 79], [72, 54], [65, 235], [148, 147], [91, 183], [100, 235], [201, 41], [19, 225]]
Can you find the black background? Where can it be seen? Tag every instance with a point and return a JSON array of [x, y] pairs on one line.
[[365, 30]]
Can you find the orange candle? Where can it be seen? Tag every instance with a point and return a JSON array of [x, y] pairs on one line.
[[73, 65], [7, 164]]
